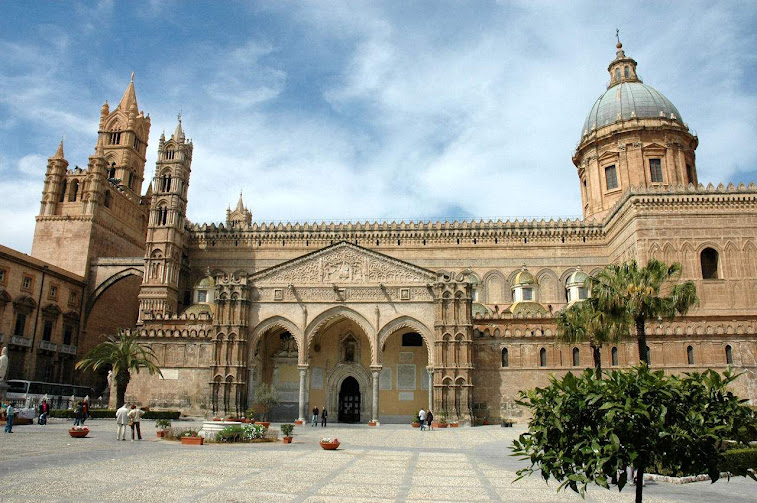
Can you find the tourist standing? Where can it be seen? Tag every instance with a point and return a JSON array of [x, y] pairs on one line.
[[9, 413], [324, 415], [422, 418], [315, 416], [85, 410], [429, 419], [134, 416], [44, 410], [121, 420], [78, 414]]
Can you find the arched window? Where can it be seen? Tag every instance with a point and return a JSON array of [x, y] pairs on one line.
[[576, 357], [728, 355], [63, 191], [626, 71], [709, 260], [162, 215], [614, 355], [690, 355], [107, 199], [165, 182], [112, 170], [412, 339], [617, 74], [505, 358], [73, 191], [542, 357]]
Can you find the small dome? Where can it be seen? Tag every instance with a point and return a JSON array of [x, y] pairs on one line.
[[523, 278], [628, 100], [206, 282], [577, 278]]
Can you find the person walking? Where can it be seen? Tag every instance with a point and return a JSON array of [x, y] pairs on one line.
[[315, 416], [429, 419], [78, 414], [134, 415], [422, 418], [85, 410], [324, 416], [121, 420], [44, 410], [9, 413]]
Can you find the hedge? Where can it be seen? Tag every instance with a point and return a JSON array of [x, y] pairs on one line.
[[739, 461], [111, 413]]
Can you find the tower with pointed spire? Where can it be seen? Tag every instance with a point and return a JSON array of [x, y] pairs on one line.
[[164, 277], [633, 137], [97, 211], [240, 218]]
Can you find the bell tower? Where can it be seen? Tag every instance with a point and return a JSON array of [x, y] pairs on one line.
[[97, 211], [164, 252]]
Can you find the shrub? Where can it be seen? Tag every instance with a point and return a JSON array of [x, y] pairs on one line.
[[163, 424], [286, 429], [740, 462]]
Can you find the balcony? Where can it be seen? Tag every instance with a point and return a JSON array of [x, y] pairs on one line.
[[48, 346], [65, 348], [17, 340]]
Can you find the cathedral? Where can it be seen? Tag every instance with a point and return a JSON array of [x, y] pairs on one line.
[[375, 320]]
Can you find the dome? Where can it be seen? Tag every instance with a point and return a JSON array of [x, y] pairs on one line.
[[578, 277], [523, 278], [627, 100]]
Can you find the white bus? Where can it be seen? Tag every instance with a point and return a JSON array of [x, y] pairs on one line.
[[59, 396]]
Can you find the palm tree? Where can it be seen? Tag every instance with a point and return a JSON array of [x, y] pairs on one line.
[[585, 322], [124, 354], [640, 294]]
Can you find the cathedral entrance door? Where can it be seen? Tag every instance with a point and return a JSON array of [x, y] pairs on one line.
[[349, 401]]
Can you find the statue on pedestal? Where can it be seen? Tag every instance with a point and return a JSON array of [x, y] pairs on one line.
[[3, 364]]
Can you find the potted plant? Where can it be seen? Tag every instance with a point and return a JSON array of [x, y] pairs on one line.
[[416, 422], [78, 431], [329, 444], [190, 437], [265, 400], [454, 424], [162, 425], [371, 423], [442, 423], [286, 430]]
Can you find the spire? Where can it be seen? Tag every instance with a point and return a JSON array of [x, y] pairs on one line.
[[129, 98], [59, 152], [622, 68], [240, 204], [178, 135]]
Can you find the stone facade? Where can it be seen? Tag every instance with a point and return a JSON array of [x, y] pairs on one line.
[[376, 320]]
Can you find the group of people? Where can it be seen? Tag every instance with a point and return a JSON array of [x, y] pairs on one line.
[[131, 416], [322, 414], [426, 418], [81, 412]]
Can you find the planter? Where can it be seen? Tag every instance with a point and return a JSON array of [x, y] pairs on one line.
[[192, 440], [454, 425], [78, 433], [329, 446], [287, 440], [441, 425], [298, 422], [416, 425], [161, 433], [264, 423], [371, 423]]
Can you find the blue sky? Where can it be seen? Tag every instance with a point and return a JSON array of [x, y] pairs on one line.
[[365, 110]]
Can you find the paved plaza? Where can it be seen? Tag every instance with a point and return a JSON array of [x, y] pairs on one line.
[[390, 463]]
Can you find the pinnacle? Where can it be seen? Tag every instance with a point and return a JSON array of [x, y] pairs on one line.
[[59, 152], [240, 204]]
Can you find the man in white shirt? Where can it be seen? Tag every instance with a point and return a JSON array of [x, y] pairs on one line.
[[422, 417], [122, 420]]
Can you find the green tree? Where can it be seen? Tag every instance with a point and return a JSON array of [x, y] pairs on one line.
[[641, 294], [585, 322], [584, 429], [265, 400], [124, 354]]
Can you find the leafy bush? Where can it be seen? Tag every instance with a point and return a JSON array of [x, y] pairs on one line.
[[286, 429], [586, 429], [740, 462], [241, 433], [111, 413], [163, 424]]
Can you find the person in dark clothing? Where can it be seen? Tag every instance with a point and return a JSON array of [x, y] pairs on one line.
[[315, 416], [324, 415], [85, 410], [429, 418], [79, 414], [44, 410]]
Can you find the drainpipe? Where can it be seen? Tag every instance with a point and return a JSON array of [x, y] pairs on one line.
[[33, 358]]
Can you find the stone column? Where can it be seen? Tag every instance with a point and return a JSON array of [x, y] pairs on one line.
[[303, 374], [430, 388], [375, 404]]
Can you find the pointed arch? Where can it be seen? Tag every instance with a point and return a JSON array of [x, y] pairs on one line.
[[550, 291], [339, 312], [273, 323], [496, 289], [750, 259], [730, 260], [411, 324]]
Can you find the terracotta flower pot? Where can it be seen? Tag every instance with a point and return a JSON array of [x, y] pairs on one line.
[[298, 422], [441, 425], [78, 433], [161, 433], [264, 423], [329, 446], [287, 440], [192, 440], [371, 423], [454, 425], [416, 425]]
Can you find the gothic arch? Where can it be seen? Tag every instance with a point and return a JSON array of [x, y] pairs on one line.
[[131, 271], [398, 324], [549, 287], [750, 259], [729, 260], [495, 288], [339, 312], [334, 382], [276, 322]]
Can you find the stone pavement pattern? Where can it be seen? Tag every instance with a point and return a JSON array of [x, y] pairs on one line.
[[390, 463]]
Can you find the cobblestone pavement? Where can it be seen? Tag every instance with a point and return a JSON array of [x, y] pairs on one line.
[[389, 463]]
